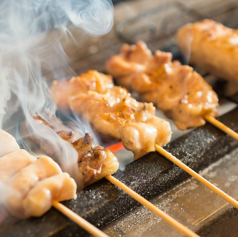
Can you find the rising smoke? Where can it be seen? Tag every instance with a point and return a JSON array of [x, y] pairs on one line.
[[26, 53]]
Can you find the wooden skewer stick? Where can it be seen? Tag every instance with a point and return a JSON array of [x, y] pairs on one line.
[[152, 207], [176, 161], [78, 219], [221, 126]]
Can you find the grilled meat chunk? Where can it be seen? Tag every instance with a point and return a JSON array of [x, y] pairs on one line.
[[211, 46], [59, 187], [176, 89], [26, 179], [94, 163], [19, 157], [28, 185], [112, 111]]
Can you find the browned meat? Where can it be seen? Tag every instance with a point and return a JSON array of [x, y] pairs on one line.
[[176, 89], [112, 111], [211, 46], [94, 163]]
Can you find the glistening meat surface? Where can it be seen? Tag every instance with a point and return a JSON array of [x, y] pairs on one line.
[[112, 111], [176, 89], [28, 185], [211, 46]]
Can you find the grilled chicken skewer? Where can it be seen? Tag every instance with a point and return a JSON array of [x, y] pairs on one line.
[[176, 89], [112, 111], [171, 86], [32, 183], [30, 186], [183, 229], [214, 48], [211, 46], [144, 202]]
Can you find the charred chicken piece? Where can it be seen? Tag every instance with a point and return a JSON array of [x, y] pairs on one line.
[[211, 46], [94, 163], [112, 111], [176, 89], [28, 185]]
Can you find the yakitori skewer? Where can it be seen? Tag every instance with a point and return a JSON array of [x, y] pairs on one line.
[[180, 92], [113, 180], [176, 161], [113, 112], [211, 46], [31, 183], [176, 89]]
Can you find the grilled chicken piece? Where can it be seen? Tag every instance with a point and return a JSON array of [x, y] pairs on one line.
[[26, 179], [7, 143], [94, 163], [39, 199], [20, 159], [112, 111], [211, 46], [32, 184], [176, 89]]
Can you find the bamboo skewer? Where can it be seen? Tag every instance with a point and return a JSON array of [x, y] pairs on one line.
[[183, 229], [196, 176], [78, 219], [221, 126], [172, 158]]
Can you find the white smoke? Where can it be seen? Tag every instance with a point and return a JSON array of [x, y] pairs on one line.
[[26, 52]]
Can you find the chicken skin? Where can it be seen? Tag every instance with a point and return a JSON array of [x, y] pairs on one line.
[[176, 89], [28, 185], [39, 200], [26, 179], [19, 157], [112, 111], [211, 46]]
